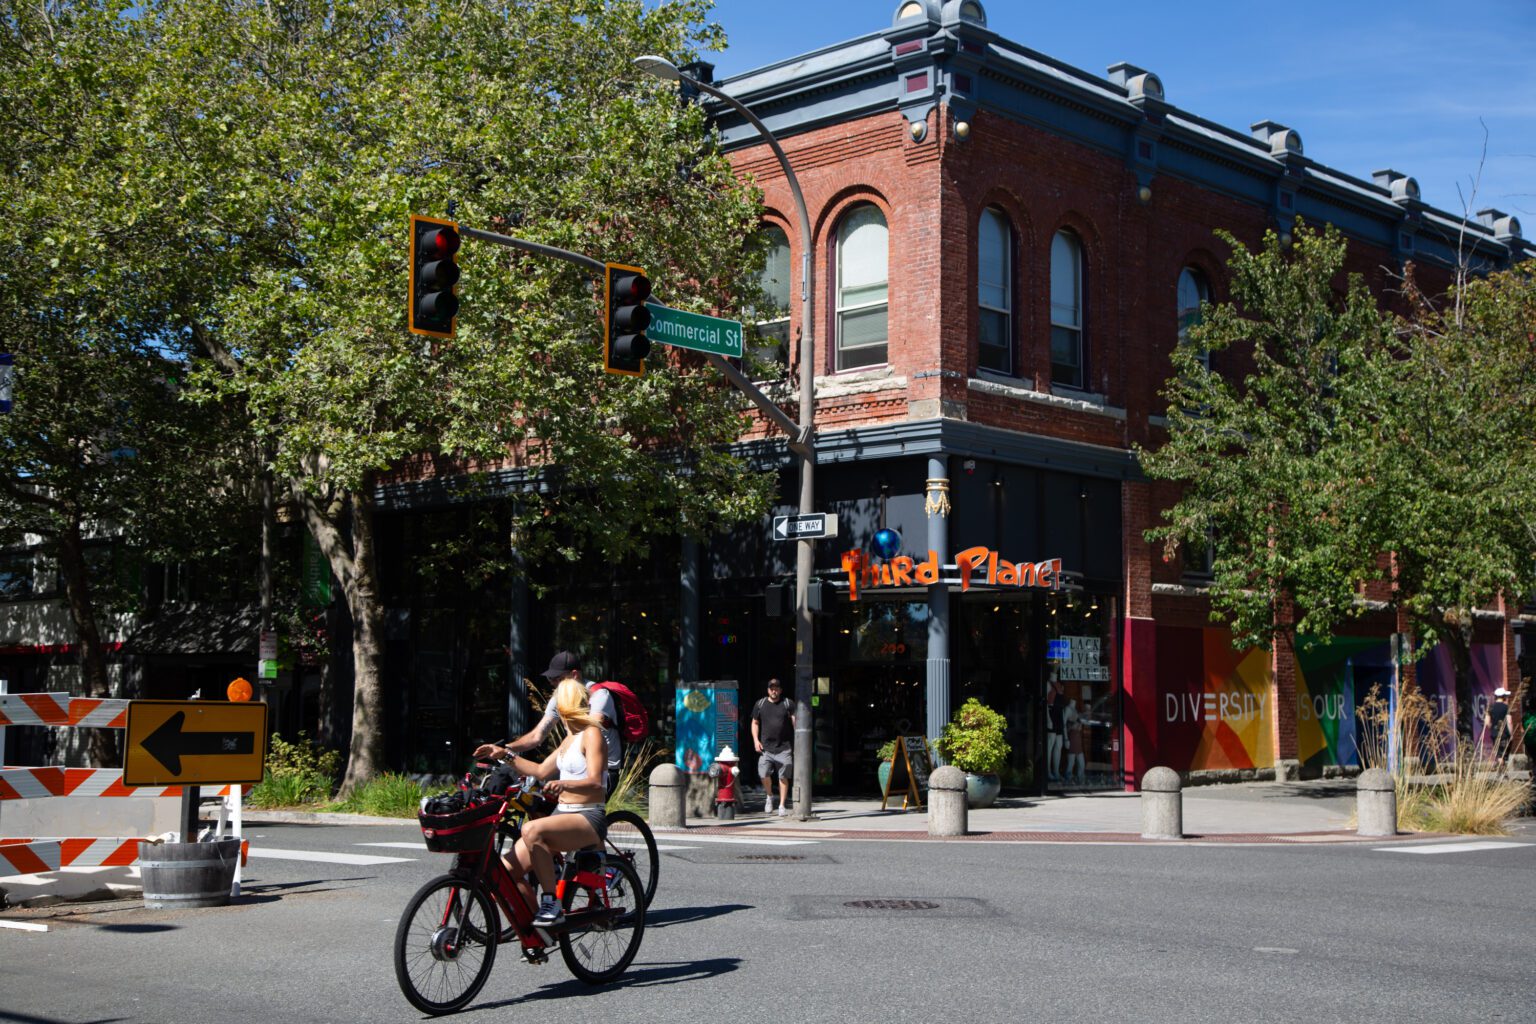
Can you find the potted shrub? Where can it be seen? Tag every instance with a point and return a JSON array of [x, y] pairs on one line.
[[885, 755], [973, 742]]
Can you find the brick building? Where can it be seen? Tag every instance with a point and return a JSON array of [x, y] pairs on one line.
[[1004, 250]]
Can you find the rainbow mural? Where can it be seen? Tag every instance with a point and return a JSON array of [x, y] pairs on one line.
[[1215, 705], [1213, 702]]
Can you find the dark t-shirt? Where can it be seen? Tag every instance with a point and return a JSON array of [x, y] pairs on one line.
[[1496, 712], [1055, 705], [774, 728]]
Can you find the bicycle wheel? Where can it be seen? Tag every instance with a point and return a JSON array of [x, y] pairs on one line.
[[630, 837], [445, 945], [599, 952]]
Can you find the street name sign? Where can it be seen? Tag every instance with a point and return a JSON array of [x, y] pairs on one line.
[[694, 331], [807, 527], [194, 743]]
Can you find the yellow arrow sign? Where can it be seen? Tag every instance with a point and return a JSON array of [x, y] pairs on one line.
[[194, 742]]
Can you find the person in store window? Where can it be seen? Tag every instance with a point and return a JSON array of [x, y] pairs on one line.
[[1055, 728], [1072, 724]]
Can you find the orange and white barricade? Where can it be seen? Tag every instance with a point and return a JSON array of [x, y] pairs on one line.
[[35, 855]]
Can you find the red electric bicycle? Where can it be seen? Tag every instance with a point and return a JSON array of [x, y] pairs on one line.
[[446, 943]]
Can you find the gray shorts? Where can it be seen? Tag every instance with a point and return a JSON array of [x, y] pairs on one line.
[[783, 761], [596, 815]]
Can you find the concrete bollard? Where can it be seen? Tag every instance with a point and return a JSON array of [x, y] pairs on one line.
[[1162, 804], [947, 809], [669, 787], [1376, 803]]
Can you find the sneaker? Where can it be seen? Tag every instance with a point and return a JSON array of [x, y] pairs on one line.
[[549, 913], [768, 806], [783, 811]]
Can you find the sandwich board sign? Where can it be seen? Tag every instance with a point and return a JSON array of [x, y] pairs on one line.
[[910, 768]]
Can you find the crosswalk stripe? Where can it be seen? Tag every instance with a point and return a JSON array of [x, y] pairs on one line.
[[1449, 847], [420, 847], [358, 859], [24, 926]]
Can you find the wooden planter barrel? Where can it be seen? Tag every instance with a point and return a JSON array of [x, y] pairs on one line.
[[188, 874]]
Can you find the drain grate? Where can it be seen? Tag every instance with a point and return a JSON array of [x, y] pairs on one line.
[[891, 905], [770, 856]]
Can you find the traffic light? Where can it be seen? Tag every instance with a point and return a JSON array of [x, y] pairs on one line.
[[434, 273], [624, 342]]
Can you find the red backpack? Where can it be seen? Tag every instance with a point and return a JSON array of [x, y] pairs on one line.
[[634, 721]]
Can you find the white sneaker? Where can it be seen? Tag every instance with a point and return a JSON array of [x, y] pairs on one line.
[[550, 913], [768, 806], [783, 811]]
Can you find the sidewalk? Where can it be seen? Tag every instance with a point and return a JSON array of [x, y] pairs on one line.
[[1318, 811]]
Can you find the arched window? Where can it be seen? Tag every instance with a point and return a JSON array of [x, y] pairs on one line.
[[862, 289], [1193, 290], [772, 318], [994, 292], [1067, 362]]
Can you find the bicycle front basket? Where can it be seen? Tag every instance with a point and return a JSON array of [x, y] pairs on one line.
[[456, 831]]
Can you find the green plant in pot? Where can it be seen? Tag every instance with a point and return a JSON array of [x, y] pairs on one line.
[[884, 756], [973, 741]]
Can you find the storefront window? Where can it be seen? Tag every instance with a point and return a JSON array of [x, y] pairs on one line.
[[1082, 701]]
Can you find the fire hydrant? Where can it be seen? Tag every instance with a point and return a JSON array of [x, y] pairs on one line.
[[724, 771]]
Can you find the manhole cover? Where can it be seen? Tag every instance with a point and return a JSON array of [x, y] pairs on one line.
[[769, 856], [891, 905]]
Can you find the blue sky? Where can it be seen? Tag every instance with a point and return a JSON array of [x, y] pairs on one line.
[[1368, 84]]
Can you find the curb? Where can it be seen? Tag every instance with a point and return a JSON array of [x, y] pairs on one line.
[[272, 817]]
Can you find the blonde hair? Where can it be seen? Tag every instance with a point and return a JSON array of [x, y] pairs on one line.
[[573, 703]]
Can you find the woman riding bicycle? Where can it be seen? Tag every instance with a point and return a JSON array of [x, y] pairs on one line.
[[579, 819]]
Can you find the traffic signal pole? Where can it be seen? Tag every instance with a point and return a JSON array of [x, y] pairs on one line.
[[801, 441], [737, 379]]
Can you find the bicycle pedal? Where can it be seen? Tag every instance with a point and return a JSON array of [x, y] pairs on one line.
[[535, 957]]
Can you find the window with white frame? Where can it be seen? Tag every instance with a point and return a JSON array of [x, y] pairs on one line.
[[1067, 311], [1193, 291], [994, 292], [862, 289], [772, 318]]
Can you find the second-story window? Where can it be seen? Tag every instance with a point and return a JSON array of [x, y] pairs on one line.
[[1067, 311], [862, 287], [772, 318], [1192, 292], [994, 292]]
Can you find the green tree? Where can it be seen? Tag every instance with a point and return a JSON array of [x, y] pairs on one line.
[[1270, 457], [100, 461], [1452, 413], [297, 137], [1354, 447]]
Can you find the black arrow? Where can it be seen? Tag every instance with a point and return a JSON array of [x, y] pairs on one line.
[[168, 744]]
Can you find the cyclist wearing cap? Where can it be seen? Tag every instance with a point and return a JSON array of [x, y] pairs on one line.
[[565, 665], [579, 819]]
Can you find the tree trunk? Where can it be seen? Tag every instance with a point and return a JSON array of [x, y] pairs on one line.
[[101, 744], [360, 584]]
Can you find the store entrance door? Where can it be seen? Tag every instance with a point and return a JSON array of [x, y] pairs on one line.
[[873, 704]]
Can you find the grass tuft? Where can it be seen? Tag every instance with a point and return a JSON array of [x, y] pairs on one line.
[[1442, 784]]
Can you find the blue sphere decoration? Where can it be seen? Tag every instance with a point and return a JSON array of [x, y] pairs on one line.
[[886, 543]]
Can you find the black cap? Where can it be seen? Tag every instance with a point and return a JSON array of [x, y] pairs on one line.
[[561, 664]]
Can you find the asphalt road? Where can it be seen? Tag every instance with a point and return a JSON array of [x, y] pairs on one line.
[[844, 931]]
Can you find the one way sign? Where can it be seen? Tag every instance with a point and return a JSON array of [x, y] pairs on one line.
[[807, 527]]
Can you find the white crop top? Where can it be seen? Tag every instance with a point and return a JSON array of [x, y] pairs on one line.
[[572, 762]]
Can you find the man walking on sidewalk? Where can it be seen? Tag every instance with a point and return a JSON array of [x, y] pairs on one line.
[[773, 734]]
